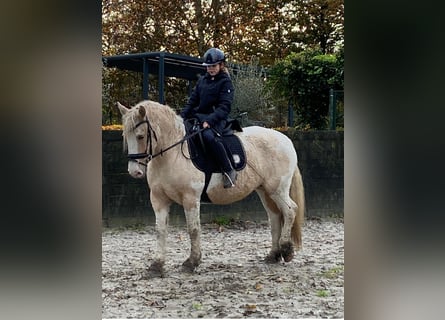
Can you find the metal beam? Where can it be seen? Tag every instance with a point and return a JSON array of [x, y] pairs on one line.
[[145, 79], [161, 77]]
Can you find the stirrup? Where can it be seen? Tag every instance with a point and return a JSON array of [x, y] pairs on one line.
[[229, 179]]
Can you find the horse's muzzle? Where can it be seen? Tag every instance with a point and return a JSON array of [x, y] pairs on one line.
[[136, 172]]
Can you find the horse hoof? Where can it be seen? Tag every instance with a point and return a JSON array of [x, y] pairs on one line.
[[156, 270], [273, 257], [189, 266], [287, 251]]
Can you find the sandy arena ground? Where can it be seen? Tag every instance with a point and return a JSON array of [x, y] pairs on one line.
[[232, 281]]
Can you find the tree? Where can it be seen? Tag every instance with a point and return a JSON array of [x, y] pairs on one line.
[[250, 94], [320, 24], [265, 30], [306, 78]]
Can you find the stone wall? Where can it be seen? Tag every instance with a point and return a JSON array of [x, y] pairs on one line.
[[125, 200]]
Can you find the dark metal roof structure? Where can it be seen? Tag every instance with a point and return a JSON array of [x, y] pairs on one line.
[[163, 64]]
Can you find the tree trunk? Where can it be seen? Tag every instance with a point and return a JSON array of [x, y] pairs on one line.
[[201, 25]]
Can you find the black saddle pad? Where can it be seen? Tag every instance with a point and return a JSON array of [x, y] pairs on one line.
[[204, 161]]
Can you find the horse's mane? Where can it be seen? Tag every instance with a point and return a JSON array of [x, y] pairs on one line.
[[156, 112]]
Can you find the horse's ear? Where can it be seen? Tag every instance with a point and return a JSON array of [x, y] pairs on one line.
[[123, 109], [141, 111]]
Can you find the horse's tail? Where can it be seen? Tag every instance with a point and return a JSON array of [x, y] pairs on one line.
[[297, 195]]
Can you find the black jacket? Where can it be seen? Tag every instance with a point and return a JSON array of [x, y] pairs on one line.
[[212, 98]]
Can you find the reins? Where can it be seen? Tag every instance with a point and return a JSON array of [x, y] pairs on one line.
[[149, 156]]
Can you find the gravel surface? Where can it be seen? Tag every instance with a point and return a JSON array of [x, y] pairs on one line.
[[232, 281]]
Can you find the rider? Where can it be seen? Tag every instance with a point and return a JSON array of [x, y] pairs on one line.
[[212, 100]]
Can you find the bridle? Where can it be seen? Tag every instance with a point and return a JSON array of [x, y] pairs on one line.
[[147, 156], [135, 157]]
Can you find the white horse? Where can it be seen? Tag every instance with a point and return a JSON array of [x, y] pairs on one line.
[[151, 135]]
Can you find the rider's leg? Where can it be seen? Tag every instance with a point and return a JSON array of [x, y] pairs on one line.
[[218, 151]]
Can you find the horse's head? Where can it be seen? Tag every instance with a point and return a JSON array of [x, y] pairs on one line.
[[138, 138]]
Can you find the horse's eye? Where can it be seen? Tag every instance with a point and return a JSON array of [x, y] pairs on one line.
[[139, 137]]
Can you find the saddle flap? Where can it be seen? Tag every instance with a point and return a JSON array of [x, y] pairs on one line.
[[202, 160]]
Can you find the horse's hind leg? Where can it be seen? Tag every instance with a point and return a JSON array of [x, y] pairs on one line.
[[191, 209], [276, 221], [282, 211], [288, 210]]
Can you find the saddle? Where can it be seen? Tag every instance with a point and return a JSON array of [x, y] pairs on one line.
[[202, 159]]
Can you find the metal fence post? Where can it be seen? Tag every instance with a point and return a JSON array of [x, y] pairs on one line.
[[290, 114], [332, 107]]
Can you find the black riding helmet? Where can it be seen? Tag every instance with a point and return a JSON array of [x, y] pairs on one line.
[[213, 56]]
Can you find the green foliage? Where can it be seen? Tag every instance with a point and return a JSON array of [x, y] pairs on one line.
[[332, 273], [196, 306], [222, 221], [323, 293], [250, 94], [305, 78]]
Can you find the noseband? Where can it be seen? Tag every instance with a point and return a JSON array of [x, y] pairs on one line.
[[147, 156]]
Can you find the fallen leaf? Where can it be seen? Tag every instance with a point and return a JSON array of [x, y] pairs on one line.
[[250, 307], [157, 304]]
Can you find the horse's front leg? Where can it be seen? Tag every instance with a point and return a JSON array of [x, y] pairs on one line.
[[191, 209], [161, 207]]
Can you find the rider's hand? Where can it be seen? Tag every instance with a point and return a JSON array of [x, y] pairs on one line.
[[205, 125]]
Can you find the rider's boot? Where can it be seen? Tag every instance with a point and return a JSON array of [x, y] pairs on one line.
[[229, 174]]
